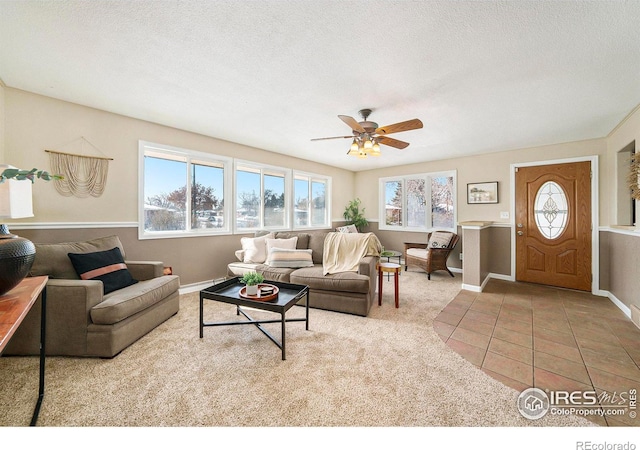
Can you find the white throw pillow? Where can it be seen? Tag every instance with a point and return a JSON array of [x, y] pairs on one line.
[[347, 229], [287, 244], [255, 249], [440, 239]]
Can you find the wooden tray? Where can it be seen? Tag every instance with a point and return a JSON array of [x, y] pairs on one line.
[[260, 297]]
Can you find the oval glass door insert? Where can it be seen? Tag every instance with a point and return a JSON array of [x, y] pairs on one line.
[[550, 209]]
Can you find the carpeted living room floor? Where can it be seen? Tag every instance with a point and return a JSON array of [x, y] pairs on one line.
[[390, 369]]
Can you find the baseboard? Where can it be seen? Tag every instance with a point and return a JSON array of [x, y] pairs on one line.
[[616, 301], [195, 287]]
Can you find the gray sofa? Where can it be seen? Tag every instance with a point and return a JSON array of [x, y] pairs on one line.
[[81, 320], [346, 292]]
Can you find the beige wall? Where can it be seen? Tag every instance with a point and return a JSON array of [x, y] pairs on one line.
[[624, 134], [35, 123], [480, 168], [2, 120]]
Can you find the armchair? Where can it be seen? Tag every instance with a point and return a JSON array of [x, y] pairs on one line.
[[433, 255], [83, 320]]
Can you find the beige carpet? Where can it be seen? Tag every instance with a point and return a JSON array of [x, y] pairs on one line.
[[387, 370]]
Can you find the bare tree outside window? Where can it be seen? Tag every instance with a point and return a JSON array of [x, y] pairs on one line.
[[442, 202]]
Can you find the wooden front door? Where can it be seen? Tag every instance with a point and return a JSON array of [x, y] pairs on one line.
[[553, 225]]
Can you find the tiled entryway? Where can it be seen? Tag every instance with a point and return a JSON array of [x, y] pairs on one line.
[[527, 335]]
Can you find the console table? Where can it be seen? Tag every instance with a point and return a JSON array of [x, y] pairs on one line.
[[14, 306]]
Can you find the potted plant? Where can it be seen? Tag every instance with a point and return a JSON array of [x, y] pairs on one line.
[[354, 216], [252, 279]]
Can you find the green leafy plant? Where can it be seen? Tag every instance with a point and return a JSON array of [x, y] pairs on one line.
[[32, 174], [252, 278], [353, 214]]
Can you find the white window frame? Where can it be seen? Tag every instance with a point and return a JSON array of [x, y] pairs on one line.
[[328, 195], [158, 150], [263, 169], [382, 222]]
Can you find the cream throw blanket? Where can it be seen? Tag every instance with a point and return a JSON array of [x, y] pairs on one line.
[[343, 251]]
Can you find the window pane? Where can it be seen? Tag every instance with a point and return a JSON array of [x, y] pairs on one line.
[[416, 203], [318, 205], [393, 203], [207, 196], [248, 199], [551, 210], [165, 194], [301, 207], [442, 202], [274, 210]]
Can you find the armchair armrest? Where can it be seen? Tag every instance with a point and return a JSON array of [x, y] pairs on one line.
[[145, 270], [69, 304]]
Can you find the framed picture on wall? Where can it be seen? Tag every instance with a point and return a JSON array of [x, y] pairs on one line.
[[482, 192]]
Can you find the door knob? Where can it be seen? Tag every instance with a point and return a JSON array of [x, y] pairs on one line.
[[520, 233], [519, 225]]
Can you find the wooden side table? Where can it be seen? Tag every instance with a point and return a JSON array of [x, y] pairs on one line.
[[389, 268], [14, 306]]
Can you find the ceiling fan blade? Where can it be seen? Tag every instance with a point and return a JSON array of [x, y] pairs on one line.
[[391, 142], [334, 137], [407, 125], [353, 123]]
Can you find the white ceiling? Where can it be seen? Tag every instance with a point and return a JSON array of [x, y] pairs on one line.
[[483, 76]]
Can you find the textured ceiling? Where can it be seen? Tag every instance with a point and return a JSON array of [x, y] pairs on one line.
[[483, 76]]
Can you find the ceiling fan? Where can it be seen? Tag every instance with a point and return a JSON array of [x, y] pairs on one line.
[[367, 136]]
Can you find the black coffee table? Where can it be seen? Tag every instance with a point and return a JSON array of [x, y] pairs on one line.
[[229, 292]]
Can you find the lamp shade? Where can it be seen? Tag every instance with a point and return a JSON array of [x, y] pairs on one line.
[[15, 199]]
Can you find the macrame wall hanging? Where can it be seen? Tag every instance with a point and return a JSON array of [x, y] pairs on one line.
[[84, 175]]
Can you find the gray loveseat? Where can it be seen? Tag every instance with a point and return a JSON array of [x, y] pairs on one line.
[[347, 292], [81, 320]]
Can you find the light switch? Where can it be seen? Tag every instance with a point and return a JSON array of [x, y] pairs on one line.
[[504, 214]]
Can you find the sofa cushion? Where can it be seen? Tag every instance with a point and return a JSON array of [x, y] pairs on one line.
[[440, 239], [130, 300], [107, 266], [303, 238], [342, 282], [237, 269], [316, 244], [275, 273], [280, 257], [53, 259], [255, 249]]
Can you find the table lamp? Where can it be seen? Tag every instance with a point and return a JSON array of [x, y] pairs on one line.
[[16, 253]]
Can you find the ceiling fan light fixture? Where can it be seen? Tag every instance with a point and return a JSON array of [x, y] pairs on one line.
[[362, 153], [368, 145], [354, 147], [375, 150]]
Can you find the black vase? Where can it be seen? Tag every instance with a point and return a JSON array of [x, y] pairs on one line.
[[16, 257]]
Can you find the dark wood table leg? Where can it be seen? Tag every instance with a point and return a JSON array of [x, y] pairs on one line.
[[397, 282]]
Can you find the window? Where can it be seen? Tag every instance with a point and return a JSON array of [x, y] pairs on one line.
[[311, 206], [418, 202], [190, 193], [261, 193], [182, 192]]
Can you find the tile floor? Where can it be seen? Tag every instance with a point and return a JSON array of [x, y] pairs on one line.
[[527, 335]]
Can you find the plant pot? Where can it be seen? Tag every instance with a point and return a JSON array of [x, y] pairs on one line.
[[252, 290], [16, 257]]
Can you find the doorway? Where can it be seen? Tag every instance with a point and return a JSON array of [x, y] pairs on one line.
[[553, 224]]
